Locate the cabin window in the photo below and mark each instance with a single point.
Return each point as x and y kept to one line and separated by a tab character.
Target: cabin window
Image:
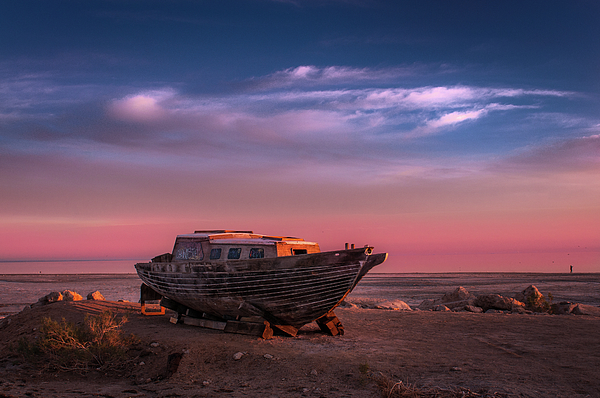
296	252
188	251
234	253
257	252
215	254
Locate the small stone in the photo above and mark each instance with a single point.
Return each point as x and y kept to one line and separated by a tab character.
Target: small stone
148	380
268	356
206	382
314	372
186	351
142	363
238	355
441	307
154	344
455	369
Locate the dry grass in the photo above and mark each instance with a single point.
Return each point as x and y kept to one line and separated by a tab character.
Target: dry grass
97	343
400	389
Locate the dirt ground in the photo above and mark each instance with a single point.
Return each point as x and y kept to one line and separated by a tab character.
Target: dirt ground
489	354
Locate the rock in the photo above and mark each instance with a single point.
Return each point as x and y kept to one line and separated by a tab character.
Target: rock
51	298
268	356
95	296
562	308
519	310
460	297
460	294
493	311
427	305
497	302
396	305
154	344
584	309
238	355
472	308
314	372
533	299
441	307
69	295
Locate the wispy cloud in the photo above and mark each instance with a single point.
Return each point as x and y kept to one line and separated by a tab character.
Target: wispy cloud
302	116
310	76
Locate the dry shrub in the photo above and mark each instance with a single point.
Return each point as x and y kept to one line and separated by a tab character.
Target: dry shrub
400	389
97	343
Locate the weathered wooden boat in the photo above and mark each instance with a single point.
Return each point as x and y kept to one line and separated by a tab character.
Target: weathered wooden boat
226	276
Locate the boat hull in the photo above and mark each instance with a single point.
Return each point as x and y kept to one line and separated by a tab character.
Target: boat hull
291	290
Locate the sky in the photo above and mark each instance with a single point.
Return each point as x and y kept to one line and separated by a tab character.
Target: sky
428	128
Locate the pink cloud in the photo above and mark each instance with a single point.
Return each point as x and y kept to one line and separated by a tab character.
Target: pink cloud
144	107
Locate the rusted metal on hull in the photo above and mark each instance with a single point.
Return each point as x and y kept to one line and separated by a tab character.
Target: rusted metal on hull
289	290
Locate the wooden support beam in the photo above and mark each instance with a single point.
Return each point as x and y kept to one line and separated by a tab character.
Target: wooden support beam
263	329
330	324
287	329
205	323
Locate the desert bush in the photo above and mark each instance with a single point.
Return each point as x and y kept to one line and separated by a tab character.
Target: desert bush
539	303
97	343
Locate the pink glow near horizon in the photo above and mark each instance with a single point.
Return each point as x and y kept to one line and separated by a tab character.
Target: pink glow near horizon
416	243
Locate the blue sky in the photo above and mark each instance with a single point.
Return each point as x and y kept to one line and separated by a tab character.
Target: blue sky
257	113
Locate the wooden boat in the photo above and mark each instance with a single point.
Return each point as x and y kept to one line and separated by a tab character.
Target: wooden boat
228	275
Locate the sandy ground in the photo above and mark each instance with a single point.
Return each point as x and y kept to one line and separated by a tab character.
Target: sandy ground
503	354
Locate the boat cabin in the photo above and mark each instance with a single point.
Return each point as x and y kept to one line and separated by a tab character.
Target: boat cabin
224	245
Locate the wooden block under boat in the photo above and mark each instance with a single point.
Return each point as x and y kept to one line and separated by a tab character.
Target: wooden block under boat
330	324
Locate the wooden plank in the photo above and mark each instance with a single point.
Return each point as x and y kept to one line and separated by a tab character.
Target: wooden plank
287	329
205	323
263	329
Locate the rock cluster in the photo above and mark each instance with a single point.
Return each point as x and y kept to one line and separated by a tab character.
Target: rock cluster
528	301
66	295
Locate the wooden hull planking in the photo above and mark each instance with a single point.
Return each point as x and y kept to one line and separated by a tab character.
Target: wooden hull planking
291	290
